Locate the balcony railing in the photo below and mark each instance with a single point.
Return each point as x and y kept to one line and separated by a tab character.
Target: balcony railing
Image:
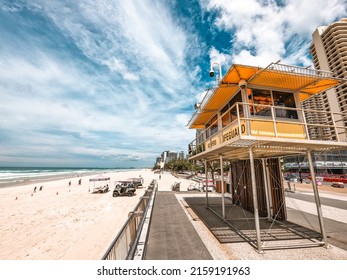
259	121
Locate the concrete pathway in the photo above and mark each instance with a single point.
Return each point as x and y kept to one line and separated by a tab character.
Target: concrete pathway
172	236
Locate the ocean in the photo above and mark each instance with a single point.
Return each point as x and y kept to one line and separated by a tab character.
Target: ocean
17	175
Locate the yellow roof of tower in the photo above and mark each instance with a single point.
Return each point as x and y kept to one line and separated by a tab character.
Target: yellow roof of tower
307	82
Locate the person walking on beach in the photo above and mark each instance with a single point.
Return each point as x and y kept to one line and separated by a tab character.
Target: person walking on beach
70	183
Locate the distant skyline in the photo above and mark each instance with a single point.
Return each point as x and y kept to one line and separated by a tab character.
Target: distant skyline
113	83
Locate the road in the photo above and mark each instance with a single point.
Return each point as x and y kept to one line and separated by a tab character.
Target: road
336	230
341	204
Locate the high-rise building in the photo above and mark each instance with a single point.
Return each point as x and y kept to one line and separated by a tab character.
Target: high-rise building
171	156
157	162
181	155
329	52
164	156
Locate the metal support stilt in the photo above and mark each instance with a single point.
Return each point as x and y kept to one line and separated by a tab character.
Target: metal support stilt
263	162
230	180
255	200
269	189
317	199
222	186
206	183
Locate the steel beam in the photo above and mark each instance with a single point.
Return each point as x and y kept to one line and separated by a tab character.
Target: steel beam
316	196
206	173
222	186
255	200
269	189
268	209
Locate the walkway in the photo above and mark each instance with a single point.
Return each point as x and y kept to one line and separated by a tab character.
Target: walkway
172	236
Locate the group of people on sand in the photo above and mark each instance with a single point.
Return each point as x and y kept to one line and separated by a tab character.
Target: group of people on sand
79	182
40	189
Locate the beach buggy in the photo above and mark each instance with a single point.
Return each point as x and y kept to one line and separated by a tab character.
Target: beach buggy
138	182
124	188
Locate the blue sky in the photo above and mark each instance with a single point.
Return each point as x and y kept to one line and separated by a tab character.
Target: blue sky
113	83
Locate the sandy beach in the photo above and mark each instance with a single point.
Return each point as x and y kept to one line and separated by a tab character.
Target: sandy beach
63	222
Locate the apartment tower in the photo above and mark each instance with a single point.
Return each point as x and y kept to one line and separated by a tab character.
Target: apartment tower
329	52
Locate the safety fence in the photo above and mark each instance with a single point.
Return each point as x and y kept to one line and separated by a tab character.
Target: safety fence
124	245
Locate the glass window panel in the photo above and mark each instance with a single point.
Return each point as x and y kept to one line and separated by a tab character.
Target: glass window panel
225	108
232	102
226	119
262	97
214	128
284	99
233	113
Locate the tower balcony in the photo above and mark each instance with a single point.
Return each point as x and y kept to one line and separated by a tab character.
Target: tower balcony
272	131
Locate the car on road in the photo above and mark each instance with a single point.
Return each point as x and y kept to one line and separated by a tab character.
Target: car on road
337	185
194	187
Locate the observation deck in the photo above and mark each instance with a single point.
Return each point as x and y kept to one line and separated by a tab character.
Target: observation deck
261	108
269	135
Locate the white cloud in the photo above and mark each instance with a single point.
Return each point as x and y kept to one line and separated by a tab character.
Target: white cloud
220	58
129	100
200	96
181	119
117	66
114	77
262	29
130	37
304	16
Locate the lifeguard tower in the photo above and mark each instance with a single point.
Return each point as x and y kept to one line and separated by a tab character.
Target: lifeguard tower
252	119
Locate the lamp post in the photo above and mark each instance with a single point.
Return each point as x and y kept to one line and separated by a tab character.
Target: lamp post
218	78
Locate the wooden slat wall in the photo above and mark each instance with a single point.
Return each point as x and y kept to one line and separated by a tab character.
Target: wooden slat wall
277	190
241	186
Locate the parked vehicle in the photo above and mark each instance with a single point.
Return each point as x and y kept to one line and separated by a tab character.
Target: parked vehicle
123	188
176	187
337	185
138	182
194	187
210	185
101	189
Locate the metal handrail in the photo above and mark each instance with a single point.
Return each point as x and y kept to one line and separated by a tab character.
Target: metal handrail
123	244
290	69
208	94
133	248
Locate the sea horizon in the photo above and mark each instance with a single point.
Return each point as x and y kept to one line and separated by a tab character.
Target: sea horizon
16	175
